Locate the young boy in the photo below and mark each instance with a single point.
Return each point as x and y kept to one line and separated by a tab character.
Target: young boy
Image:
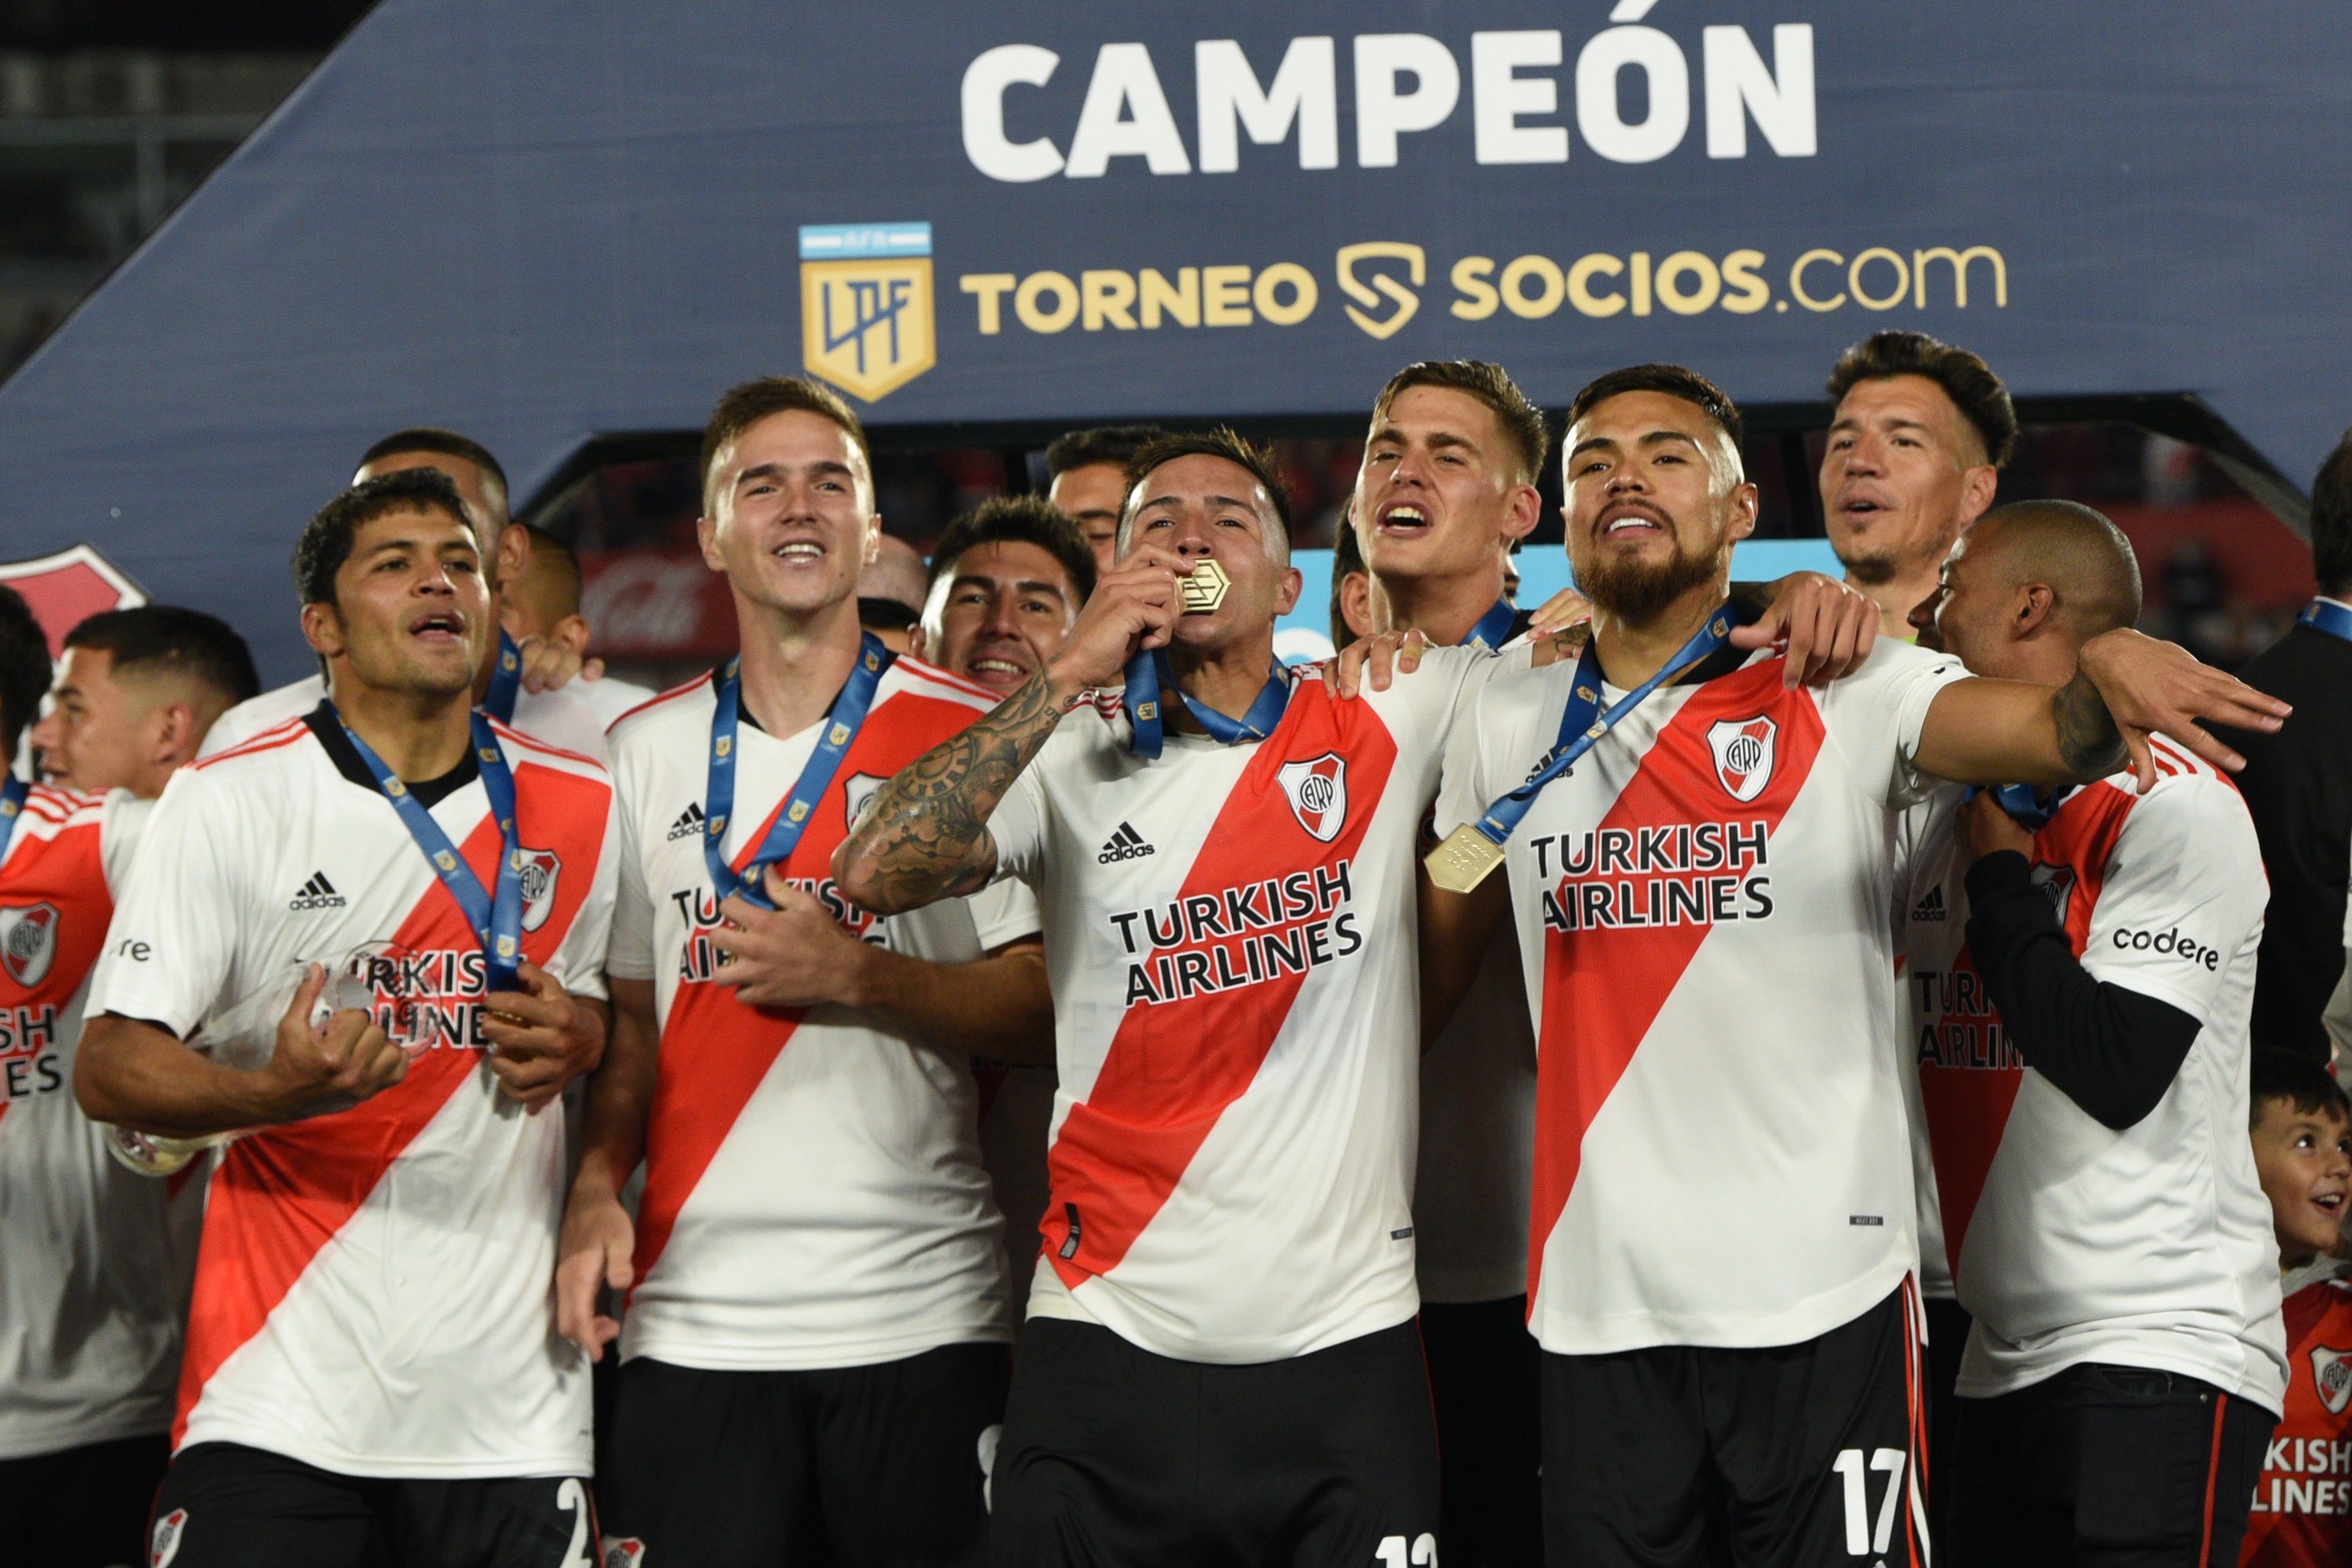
2302	1515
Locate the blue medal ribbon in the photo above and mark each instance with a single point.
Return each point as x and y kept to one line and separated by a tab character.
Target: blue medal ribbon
1494	627
496	919
841	727
2026	804
13	790
506	681
2321	615
1149	676
1580	730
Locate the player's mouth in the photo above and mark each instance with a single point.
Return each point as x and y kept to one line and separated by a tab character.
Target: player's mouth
996	672
2329	1201
1629	521
1859	507
1404	519
438	627
799	551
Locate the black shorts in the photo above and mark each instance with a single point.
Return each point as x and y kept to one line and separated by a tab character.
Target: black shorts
1484	1370
227	1506
2118	1466
880	1464
1114	1456
1802	1455
1948	1336
82	1507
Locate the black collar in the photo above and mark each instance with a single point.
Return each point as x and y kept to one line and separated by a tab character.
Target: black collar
1724	660
328	725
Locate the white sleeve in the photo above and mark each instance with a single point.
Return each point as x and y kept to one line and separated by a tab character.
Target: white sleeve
578	965
1462	793
170	950
2184	891
1875	716
121	822
630	954
1018	826
1005	911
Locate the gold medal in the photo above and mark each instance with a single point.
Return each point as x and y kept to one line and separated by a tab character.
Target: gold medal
1204	590
1463	861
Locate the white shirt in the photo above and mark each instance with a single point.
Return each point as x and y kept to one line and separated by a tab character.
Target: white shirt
1231	935
568	718
813	1193
1702	907
372	1291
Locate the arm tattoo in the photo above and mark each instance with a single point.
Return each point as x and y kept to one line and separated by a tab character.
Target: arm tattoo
2087	738
924	837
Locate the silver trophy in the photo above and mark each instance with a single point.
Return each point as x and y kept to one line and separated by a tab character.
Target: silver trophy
243	1036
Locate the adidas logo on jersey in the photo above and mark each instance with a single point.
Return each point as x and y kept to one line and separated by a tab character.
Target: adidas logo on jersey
1931	907
318	893
689	824
1127	844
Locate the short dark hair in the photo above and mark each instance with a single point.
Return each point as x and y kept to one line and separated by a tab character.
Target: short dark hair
744	406
1673	381
1522	421
1965	377
1113	444
170	640
551	554
1346	556
1018	519
24	670
449	443
2298	1079
1220	441
2331	521
326	542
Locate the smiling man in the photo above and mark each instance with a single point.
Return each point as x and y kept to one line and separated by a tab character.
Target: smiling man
1007	582
1915	448
1699	875
333	1405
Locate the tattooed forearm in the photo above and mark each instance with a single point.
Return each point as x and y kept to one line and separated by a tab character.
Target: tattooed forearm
924	836
2088	737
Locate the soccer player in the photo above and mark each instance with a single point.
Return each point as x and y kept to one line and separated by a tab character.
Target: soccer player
137	693
1702	902
2302	1515
1089	480
1915	448
529	685
2085	1092
540	599
90	1269
1007	579
814	1345
372	1370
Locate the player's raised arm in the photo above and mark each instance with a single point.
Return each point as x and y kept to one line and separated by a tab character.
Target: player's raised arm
2128	688
925	836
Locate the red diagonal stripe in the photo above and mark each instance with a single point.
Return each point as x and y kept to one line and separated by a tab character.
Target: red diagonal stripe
1174	1066
1604	990
715	1050
281	1194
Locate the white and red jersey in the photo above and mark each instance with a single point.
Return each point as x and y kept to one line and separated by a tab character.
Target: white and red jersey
1702	907
814	1190
93	1259
2068	1241
1230	932
571	717
2302	1516
373	1288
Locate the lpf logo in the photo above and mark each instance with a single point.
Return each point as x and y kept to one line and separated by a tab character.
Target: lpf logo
866	305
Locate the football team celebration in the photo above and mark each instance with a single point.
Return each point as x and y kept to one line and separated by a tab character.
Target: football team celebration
1645	1054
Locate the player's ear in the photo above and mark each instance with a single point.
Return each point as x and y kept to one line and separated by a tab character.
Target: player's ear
1743	512
322	628
572	632
1286	590
1522	511
706	534
2036	607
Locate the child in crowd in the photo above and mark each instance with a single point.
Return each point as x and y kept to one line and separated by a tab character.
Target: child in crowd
2302	1514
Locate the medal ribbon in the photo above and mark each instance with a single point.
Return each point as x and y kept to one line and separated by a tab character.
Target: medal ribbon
1494	627
1149	675
496	919
13	790
1580	730
2322	617
841	726
506	681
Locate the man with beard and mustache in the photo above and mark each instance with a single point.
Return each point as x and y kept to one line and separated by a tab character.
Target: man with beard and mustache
1701	895
1915	454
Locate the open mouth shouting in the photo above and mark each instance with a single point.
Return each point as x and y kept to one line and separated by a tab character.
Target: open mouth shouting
438	628
1404	519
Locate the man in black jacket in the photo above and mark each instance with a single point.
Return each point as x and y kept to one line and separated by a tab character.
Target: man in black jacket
2298	782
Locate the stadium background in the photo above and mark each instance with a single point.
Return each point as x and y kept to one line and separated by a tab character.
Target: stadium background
304	225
